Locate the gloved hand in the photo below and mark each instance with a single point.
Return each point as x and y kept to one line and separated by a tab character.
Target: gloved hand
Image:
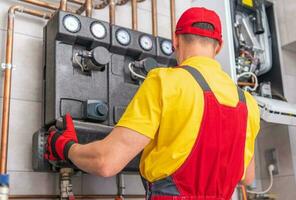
60	141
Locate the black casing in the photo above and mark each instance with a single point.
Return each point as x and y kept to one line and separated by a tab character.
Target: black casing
67	87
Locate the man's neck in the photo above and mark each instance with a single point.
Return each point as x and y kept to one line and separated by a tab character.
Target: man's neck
197	51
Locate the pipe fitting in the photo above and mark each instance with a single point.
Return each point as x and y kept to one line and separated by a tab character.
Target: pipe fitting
66	190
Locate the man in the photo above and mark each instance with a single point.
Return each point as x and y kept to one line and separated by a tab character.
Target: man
196	127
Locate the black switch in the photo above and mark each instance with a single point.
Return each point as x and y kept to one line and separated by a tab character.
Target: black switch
95	110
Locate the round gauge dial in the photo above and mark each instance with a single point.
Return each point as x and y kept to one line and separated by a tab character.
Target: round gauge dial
167	47
123	37
146	42
98	30
72	23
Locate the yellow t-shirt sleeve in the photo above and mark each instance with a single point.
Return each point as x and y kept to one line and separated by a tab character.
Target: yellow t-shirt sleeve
253	128
143	113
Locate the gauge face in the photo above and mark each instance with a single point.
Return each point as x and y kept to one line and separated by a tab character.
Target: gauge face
123	37
146	42
72	23
98	30
167	47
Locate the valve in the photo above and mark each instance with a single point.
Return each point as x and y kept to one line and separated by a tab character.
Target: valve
66	188
140	69
146	64
95	59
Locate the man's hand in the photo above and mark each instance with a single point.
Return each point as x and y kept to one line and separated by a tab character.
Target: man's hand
60	141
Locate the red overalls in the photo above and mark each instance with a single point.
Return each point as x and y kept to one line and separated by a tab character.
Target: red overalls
216	163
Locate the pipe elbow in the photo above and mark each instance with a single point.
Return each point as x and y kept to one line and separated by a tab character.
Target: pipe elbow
13	9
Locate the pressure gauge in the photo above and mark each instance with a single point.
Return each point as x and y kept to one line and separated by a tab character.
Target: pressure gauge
98	30
167	47
146	42
123	37
72	23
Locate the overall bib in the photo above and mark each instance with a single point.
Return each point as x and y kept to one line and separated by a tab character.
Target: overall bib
215	164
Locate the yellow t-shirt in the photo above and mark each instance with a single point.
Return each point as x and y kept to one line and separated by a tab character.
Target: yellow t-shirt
168	108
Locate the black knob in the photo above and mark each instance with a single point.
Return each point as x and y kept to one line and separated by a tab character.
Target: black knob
100	56
102	109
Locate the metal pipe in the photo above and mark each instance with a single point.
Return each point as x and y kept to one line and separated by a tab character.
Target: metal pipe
76	196
80	10
134	15
121	2
154	17
120	186
112	12
63	5
244	192
245	84
88	8
42	4
101	5
80	2
173	18
7	78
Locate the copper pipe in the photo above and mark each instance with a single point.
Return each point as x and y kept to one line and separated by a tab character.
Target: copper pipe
80	10
76	196
63	5
112	11
246	84
121	2
134	15
88	8
244	192
7	78
42	4
51	6
101	5
79	2
173	18
154	17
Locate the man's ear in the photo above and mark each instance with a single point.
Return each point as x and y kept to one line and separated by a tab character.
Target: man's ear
176	41
219	48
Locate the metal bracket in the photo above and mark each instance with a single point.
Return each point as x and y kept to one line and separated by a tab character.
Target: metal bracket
5	66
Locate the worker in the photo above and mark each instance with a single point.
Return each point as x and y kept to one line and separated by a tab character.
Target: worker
196	127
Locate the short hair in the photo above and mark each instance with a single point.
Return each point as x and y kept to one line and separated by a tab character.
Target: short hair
189	38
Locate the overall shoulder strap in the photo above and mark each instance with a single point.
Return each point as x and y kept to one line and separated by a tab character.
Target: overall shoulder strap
198	77
205	86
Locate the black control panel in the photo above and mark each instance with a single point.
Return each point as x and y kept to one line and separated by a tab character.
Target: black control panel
92	70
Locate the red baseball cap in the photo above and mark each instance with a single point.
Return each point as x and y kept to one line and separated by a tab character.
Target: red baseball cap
202	15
